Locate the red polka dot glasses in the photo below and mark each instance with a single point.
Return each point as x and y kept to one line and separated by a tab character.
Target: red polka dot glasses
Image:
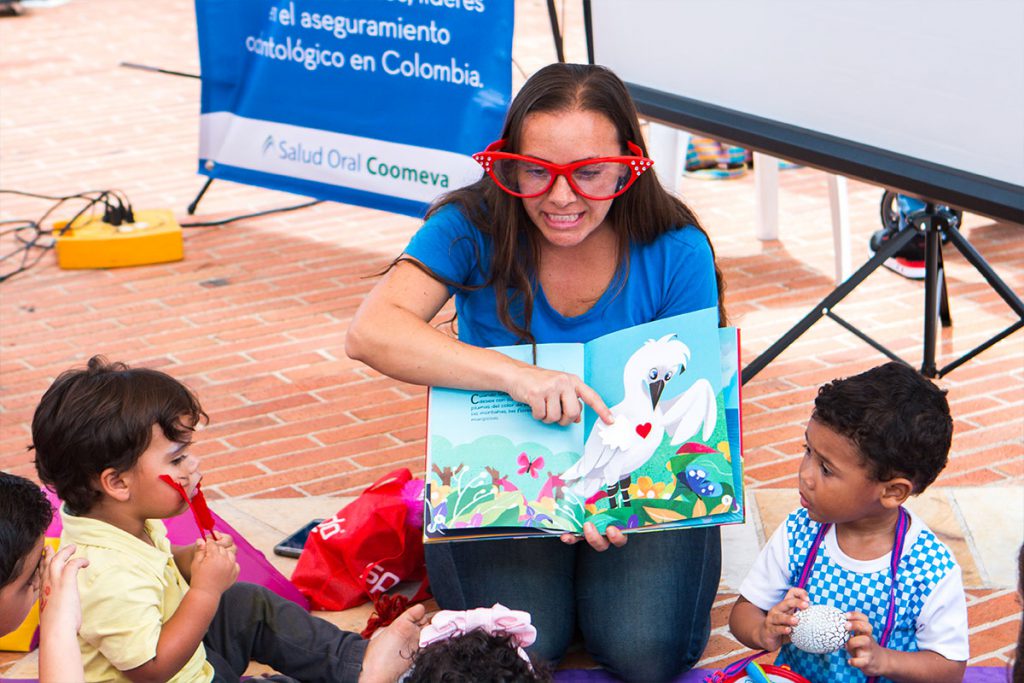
598	179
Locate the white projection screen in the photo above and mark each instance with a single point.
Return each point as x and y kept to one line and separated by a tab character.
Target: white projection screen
923	96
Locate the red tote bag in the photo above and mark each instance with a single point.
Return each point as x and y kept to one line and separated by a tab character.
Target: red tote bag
363	551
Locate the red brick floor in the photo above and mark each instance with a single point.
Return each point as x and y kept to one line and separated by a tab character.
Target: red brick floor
254	318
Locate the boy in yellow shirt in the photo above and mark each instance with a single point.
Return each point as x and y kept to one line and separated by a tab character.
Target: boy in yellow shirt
153	611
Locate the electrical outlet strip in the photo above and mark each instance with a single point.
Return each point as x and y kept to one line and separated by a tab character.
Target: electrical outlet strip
154	237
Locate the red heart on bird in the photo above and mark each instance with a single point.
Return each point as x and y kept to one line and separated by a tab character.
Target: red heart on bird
643	430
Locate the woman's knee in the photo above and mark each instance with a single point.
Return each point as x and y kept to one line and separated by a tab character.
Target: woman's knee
651	660
646	614
648	645
553	639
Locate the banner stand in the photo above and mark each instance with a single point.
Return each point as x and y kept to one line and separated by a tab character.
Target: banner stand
557	37
195	202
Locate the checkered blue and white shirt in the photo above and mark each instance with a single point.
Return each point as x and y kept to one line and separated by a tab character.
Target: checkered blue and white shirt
931	611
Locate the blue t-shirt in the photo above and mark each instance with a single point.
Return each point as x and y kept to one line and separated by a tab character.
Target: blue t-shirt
672	275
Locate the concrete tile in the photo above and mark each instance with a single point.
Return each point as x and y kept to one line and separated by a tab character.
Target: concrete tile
740	546
26	667
773	505
995	517
7	659
935	506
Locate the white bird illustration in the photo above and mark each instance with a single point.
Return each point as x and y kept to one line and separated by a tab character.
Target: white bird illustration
613	452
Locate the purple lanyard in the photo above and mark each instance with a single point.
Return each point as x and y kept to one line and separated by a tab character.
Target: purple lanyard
902	526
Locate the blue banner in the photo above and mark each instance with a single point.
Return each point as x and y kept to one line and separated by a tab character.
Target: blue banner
371	102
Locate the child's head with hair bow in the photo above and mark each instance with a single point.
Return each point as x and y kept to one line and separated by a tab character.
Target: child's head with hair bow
485	644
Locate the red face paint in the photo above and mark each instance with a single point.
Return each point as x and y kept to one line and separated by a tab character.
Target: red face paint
197	503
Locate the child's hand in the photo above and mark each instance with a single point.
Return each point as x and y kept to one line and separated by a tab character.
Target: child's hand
214	569
780	620
59	604
225	541
865	652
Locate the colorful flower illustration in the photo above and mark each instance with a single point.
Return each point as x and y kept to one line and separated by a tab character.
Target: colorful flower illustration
474	522
545	505
533	517
726	505
437	518
439	493
723	448
645	487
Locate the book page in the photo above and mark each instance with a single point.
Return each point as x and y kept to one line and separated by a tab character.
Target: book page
491	465
726	464
667	460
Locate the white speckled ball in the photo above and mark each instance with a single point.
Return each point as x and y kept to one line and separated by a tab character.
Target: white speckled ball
822	629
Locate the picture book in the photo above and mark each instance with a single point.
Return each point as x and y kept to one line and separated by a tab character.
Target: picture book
673	457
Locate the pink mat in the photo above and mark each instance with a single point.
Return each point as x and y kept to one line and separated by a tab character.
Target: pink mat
182	530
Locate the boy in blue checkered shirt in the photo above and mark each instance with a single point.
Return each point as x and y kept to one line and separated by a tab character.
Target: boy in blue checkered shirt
872	441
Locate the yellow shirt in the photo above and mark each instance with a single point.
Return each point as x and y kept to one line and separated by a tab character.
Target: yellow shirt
129	590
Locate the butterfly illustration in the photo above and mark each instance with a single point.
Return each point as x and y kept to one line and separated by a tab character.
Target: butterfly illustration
696	479
531	467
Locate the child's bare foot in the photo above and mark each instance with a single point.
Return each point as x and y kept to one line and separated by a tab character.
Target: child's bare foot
390	651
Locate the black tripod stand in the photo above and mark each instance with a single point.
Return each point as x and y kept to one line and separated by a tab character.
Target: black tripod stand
933	224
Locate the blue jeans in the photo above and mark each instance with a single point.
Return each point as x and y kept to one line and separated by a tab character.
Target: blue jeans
644	609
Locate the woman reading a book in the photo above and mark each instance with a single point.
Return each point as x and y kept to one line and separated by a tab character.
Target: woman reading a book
567	236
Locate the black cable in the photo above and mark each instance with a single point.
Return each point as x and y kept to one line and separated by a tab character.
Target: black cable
84	195
101	195
117	209
146	67
36	230
81	212
210	224
28	242
25	250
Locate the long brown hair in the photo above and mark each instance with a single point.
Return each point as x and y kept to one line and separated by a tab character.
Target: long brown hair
642	214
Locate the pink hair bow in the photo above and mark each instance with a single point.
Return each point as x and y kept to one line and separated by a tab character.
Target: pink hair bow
496	620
